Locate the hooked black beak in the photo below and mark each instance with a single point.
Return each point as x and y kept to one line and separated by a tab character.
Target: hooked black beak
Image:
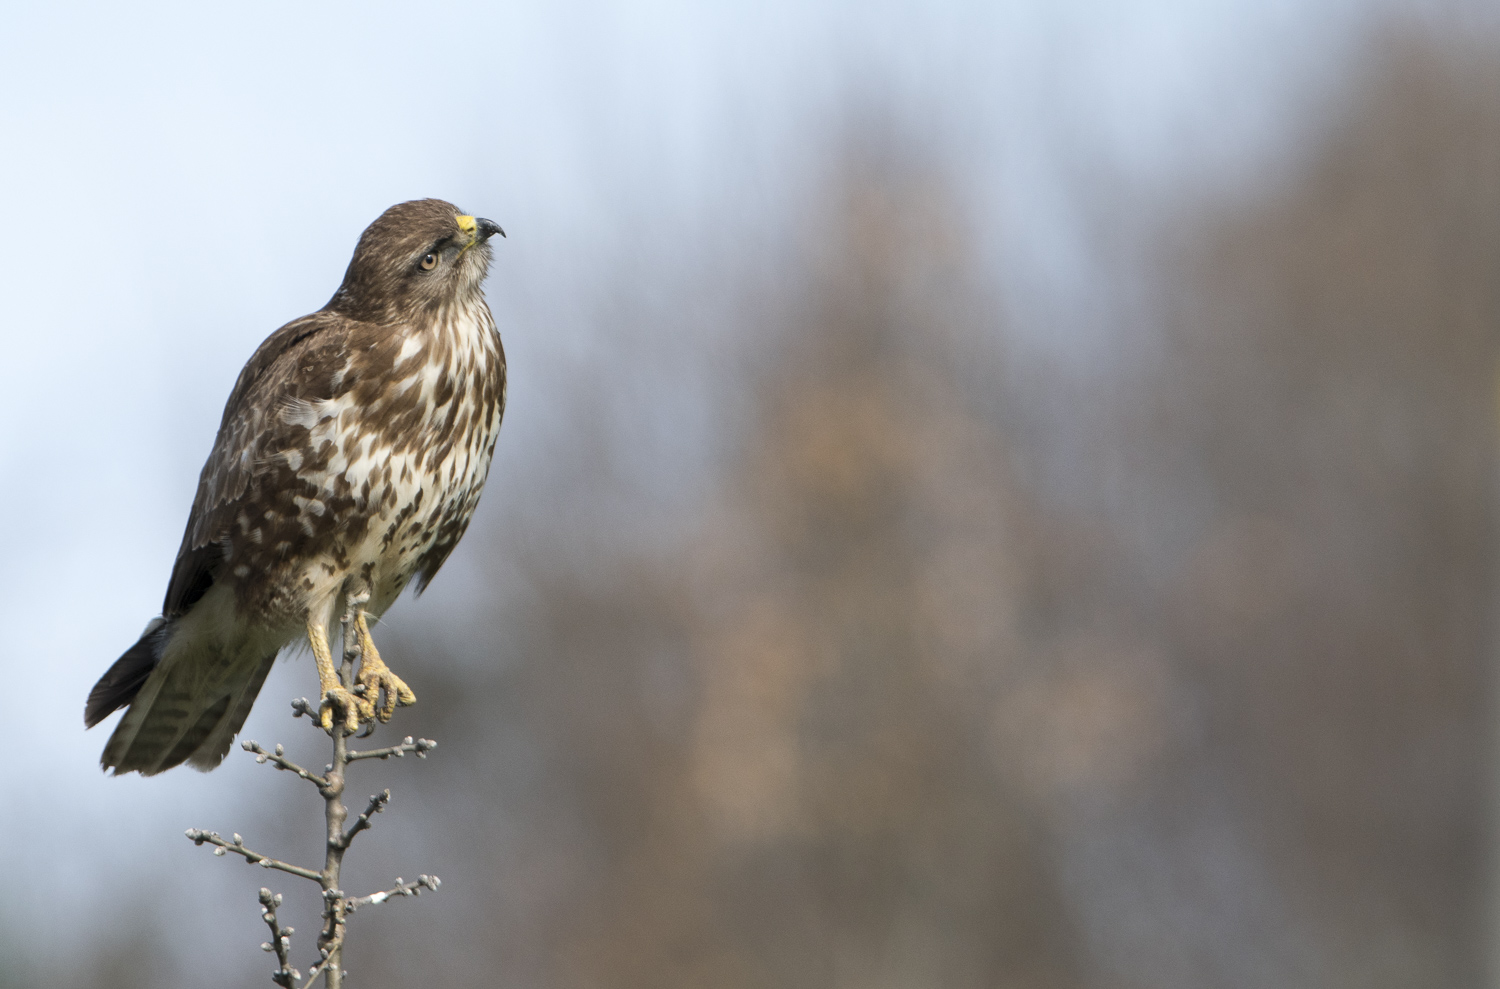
488	229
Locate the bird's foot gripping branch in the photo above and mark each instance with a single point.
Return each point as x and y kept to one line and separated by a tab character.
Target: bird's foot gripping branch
337	905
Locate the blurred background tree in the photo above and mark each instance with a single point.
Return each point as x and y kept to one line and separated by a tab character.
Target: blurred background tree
1321	441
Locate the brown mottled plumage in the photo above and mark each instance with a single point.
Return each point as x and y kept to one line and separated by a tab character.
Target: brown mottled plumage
351	455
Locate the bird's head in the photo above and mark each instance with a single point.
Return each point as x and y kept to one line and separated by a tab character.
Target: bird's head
417	257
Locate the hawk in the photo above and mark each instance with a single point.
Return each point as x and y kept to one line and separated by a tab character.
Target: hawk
350	458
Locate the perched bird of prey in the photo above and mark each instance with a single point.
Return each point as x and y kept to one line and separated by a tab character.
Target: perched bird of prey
350	458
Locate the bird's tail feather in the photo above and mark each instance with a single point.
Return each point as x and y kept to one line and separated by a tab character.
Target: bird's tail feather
122	681
186	708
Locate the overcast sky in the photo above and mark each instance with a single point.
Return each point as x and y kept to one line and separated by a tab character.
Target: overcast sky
180	180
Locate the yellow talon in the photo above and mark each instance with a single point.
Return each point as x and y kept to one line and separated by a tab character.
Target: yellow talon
332	694
376	677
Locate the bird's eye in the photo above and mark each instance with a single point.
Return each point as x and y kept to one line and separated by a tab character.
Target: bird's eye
429	261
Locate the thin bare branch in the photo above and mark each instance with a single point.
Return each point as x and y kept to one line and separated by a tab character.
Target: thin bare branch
279	760
420	747
402	888
362	823
325	955
281	941
237	845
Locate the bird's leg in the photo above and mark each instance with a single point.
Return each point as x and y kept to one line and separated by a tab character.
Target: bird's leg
332	692
375	676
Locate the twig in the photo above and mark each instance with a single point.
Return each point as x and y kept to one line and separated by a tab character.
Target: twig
281	762
420	746
325	957
237	845
377	804
402	888
281	941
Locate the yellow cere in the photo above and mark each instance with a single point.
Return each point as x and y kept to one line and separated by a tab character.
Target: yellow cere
469	226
